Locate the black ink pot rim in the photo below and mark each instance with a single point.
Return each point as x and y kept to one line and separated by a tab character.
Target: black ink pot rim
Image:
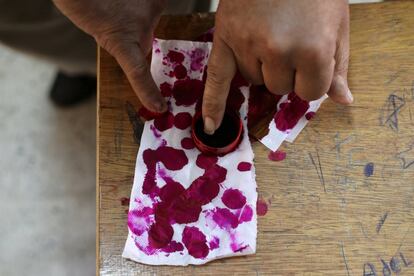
224	140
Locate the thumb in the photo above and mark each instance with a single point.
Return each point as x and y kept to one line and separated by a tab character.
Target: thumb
132	61
220	71
339	91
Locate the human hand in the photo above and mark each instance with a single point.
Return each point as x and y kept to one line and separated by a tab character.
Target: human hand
300	46
125	29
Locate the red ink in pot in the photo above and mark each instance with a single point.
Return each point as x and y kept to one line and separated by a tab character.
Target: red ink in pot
224	140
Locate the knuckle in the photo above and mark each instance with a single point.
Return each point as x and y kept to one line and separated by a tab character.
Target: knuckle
318	51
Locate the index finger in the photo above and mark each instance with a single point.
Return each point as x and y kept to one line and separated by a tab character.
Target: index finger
220	71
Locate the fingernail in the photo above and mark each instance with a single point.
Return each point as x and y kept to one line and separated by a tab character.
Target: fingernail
349	96
209	126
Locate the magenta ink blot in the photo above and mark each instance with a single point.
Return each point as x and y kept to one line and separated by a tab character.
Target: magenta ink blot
224	140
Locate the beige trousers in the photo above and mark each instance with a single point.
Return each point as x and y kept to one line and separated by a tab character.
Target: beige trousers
36	27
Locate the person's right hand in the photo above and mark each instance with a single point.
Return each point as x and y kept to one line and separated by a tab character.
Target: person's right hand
125	29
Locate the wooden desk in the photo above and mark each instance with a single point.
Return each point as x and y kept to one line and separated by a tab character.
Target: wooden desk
326	217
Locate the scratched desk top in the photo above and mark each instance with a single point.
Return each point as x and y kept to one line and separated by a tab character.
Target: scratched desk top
341	203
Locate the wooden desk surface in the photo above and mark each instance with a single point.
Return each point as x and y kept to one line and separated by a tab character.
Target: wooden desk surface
326	217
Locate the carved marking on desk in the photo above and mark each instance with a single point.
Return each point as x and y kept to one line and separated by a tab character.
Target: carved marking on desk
339	143
394	265
407	157
364	232
369	270
352	162
394	76
390	111
344	257
318	169
381	222
136	123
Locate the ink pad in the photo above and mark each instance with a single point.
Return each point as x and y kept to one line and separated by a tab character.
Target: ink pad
224	140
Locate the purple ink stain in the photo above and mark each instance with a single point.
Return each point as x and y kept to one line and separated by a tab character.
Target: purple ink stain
246	215
197	57
277	155
233	199
139	220
244	166
290	112
183	120
224	218
261	207
187	143
214	243
310	115
180	72
173	246
155	131
369	169
195	242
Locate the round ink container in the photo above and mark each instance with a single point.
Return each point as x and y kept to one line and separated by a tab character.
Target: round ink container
224	140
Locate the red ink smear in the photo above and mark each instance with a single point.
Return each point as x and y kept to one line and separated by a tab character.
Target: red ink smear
195	242
183	120
173	246
277	155
224	218
184	210
155	132
261	104
309	115
206	161
125	201
214	243
160	235
187	143
187	92
139	220
290	112
246	215
197	57
261	207
157	50
244	166
166	89
147	114
175	57
180	72
164	122
233	199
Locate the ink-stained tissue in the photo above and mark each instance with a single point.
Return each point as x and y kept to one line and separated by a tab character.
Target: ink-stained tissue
186	207
291	117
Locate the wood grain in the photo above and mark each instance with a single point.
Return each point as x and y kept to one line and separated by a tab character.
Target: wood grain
326	217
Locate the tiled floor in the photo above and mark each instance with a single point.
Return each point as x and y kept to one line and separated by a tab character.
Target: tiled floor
47	175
